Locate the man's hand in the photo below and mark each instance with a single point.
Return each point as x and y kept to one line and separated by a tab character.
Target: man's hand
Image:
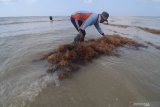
79	29
77	39
82	32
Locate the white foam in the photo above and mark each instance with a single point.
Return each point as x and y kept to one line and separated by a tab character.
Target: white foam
19	96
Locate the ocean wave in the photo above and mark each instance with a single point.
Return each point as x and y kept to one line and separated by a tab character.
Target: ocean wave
22	94
23	22
10	23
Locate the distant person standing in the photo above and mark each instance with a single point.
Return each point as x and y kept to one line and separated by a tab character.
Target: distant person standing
81	20
51	18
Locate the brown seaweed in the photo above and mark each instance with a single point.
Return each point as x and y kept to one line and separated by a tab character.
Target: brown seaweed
68	57
118	25
150	30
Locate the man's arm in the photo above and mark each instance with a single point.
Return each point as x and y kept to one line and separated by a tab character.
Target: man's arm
99	28
77	24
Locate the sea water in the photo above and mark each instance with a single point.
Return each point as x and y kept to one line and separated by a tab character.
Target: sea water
125	81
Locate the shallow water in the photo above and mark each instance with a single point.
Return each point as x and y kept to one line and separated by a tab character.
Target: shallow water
106	82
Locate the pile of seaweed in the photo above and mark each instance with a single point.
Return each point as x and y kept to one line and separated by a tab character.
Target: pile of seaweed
67	58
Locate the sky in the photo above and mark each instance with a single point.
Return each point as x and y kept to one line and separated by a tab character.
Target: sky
67	7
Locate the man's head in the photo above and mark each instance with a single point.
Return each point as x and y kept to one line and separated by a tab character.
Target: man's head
104	17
